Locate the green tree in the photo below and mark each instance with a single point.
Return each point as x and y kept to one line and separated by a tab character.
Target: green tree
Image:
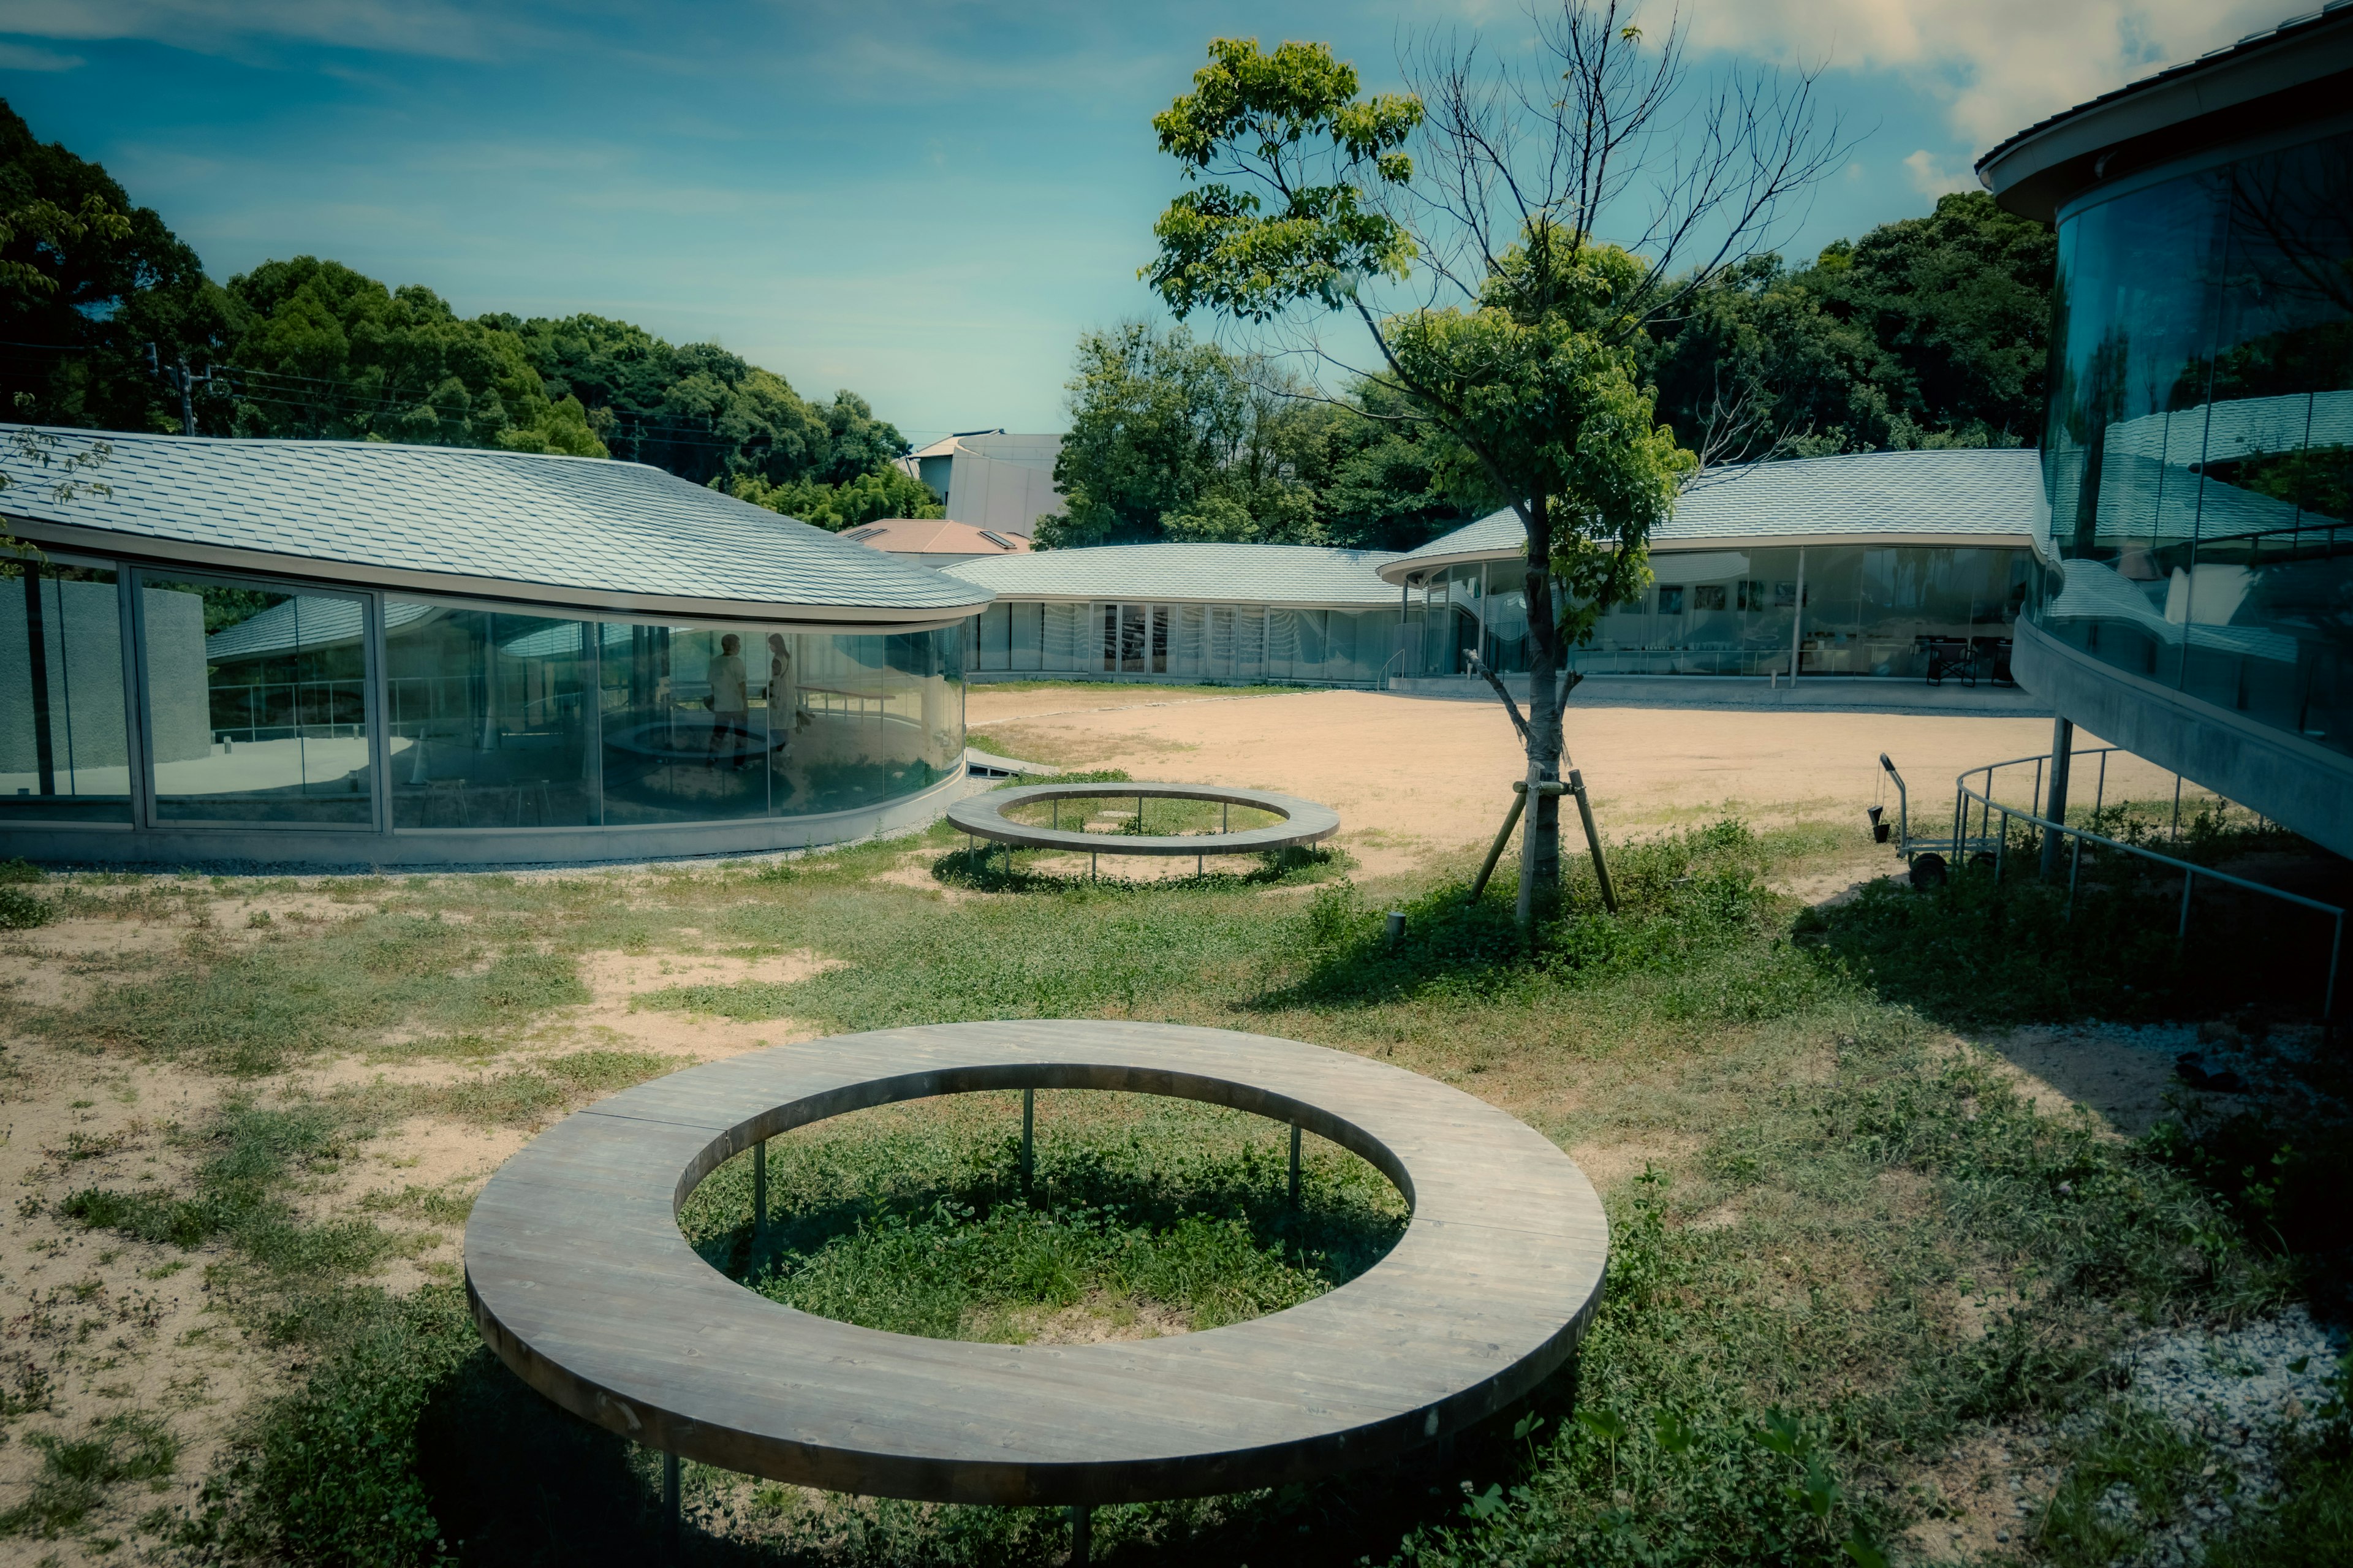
702	412
1173	438
1929	332
323	353
86	280
867	497
1493	310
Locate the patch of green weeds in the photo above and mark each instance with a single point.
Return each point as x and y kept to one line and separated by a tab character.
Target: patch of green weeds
927	1228
76	1472
21	910
442	1204
330	1474
2129	1472
249	1155
246	1010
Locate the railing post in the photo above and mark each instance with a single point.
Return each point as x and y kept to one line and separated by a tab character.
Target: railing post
2189	880
759	1192
2062	745
2000	846
1028	1137
1295	1164
2336	952
2075	867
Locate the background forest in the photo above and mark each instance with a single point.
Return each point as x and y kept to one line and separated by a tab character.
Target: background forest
1925	332
1931	331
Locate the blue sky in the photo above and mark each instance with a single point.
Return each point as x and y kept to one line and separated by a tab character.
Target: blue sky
923	202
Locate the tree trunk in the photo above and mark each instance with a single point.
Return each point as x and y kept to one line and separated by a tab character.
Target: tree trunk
1540	838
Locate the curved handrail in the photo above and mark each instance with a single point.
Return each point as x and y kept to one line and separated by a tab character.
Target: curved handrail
2190	872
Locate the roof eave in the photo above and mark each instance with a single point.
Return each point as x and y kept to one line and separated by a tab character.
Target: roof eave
1400	572
2300	72
147	550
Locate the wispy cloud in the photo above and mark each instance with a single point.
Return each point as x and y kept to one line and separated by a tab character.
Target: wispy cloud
427	27
1997	66
32	57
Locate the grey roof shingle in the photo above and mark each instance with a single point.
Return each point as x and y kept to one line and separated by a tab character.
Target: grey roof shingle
506	517
1217	574
1985	492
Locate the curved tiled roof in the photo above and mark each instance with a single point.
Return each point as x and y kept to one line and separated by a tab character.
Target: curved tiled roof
2297	62
574	531
1218	573
1990	494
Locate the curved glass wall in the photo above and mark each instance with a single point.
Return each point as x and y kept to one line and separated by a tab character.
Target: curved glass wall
268	704
2200	453
1896	610
1241	642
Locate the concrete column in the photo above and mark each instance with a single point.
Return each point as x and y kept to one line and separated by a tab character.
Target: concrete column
2062	741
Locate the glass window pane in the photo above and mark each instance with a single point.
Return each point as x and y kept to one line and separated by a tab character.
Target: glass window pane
257	702
684	722
63	753
489	722
877	718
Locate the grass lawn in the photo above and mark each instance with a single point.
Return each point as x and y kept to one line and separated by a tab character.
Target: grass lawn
1867	1286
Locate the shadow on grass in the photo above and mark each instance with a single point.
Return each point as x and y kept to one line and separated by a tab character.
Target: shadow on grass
1985	950
992	869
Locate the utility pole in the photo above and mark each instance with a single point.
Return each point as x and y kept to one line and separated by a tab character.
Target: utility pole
175	375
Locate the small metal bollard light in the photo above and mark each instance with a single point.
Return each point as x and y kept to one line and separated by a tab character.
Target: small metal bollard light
1395	928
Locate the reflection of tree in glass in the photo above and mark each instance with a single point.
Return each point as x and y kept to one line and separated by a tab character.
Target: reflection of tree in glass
2318	479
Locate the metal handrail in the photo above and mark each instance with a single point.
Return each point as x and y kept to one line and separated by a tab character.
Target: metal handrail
2191	872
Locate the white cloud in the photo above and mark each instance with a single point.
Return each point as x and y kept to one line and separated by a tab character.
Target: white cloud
1997	65
1931	178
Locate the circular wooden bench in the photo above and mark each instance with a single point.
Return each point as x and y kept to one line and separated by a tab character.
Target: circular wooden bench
580	1278
1303	821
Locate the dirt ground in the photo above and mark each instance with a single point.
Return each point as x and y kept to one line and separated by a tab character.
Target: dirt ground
92	1323
1410	775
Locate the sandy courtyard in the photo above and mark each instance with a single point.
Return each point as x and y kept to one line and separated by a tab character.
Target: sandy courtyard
1422	774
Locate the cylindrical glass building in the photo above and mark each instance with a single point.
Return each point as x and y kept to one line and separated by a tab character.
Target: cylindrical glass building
2195	602
363	654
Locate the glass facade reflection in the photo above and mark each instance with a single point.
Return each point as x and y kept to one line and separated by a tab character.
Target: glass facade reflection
64	749
267	704
1839	609
259	699
1239	642
489	718
2200	452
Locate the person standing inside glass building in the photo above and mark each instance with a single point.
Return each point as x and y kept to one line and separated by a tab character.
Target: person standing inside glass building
785	714
731	703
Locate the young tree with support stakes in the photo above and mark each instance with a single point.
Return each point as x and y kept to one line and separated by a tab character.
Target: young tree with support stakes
1459	227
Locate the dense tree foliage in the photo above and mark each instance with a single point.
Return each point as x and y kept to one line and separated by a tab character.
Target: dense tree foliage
311	347
1930	331
86	280
322	352
1173	437
699	411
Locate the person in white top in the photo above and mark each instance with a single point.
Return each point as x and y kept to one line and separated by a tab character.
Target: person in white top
731	704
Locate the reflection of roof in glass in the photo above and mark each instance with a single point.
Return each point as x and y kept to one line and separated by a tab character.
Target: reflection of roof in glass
1215	573
2096	592
1993	494
312	620
621	534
